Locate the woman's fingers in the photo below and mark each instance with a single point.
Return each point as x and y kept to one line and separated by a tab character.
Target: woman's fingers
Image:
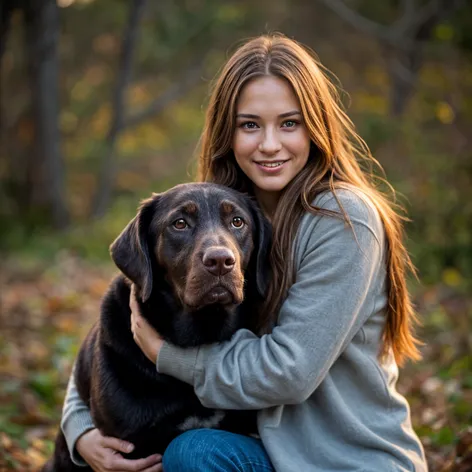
118	463
135	314
133	304
156	468
117	444
113	461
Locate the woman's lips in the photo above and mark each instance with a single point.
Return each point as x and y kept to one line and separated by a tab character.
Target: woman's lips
270	167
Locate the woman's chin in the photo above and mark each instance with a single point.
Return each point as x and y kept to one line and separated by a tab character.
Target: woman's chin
271	185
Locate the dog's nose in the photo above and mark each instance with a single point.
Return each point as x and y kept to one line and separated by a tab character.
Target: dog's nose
218	260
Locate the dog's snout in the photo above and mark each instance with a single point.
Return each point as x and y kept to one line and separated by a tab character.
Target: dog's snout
219	260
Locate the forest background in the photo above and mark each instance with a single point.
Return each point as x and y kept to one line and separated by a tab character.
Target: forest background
102	102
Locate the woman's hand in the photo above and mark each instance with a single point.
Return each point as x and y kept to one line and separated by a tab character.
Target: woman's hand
102	454
145	336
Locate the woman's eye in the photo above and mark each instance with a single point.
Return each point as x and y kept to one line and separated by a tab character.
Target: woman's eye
290	124
237	222
180	224
249	125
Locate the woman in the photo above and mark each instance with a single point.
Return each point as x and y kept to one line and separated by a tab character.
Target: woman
338	316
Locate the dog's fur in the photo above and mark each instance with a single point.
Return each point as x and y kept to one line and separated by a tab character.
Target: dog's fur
200	275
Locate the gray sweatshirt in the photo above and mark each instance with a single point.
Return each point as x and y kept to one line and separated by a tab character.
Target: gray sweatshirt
326	401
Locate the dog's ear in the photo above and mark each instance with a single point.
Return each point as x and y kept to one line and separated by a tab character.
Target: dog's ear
262	243
130	251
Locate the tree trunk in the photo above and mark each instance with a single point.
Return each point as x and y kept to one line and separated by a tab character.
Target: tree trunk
403	69
47	167
6	10
405	66
108	166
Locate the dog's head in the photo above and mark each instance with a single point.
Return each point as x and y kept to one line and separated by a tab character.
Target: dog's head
206	242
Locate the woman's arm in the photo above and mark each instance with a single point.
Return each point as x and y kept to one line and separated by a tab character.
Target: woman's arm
87	446
76	419
333	295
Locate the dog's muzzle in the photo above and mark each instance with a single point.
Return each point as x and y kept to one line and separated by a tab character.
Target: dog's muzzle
219	260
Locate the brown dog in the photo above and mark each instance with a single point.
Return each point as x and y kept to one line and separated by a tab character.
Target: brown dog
198	257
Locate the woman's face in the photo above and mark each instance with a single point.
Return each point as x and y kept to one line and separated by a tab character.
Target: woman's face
271	143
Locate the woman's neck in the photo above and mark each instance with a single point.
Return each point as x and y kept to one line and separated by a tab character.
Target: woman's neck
267	201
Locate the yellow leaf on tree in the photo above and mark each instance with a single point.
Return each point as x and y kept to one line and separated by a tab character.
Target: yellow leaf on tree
444	113
451	277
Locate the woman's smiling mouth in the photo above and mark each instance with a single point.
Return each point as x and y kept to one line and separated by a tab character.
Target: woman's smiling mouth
270	166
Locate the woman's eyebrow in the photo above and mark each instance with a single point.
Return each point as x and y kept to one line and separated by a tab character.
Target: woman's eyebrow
283	115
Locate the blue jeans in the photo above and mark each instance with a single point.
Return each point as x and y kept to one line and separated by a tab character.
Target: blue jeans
213	450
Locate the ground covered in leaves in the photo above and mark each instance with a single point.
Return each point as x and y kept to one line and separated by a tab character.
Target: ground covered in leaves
46	310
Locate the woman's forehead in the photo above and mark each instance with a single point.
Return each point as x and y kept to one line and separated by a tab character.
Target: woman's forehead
267	93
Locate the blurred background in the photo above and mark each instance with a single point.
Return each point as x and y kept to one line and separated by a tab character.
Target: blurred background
102	102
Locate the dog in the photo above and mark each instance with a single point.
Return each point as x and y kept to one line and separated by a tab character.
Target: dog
198	257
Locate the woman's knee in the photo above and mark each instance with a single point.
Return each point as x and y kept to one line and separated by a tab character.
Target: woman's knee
188	451
213	450
177	451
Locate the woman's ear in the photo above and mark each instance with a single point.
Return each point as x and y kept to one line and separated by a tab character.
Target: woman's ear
130	250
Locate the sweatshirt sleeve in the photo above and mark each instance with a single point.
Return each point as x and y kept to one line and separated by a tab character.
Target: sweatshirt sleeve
76	420
332	297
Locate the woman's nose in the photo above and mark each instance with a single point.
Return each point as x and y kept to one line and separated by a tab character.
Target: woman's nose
270	143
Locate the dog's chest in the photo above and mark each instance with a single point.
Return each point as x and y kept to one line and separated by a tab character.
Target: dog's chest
195	422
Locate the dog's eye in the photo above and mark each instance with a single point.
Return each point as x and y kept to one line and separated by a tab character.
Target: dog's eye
180	224
237	222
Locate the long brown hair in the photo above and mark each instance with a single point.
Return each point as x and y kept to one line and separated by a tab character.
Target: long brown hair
338	157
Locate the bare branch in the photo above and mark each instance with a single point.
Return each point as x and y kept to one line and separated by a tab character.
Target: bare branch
401	71
408	7
386	34
355	19
402	34
434	8
409	23
402	40
174	92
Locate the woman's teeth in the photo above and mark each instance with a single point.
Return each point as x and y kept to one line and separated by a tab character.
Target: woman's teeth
272	164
